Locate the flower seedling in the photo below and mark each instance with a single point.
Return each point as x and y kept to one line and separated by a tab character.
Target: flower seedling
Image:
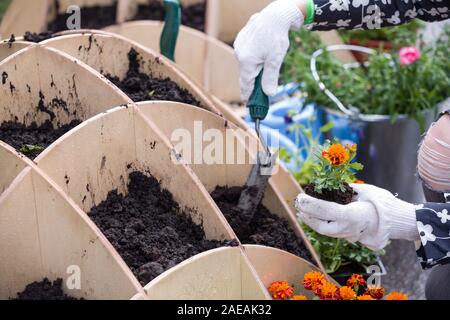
333	172
334	253
322	289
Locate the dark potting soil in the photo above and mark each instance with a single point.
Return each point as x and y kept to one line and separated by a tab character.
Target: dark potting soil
266	228
44	290
20	136
37	37
148	228
11	40
92	17
332	195
142	87
192	16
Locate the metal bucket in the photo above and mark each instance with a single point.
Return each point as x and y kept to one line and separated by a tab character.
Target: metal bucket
387	149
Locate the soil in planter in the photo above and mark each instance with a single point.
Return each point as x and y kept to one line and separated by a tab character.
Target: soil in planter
142	87
32	140
192	16
11	40
266	228
92	17
332	195
37	37
148	228
44	290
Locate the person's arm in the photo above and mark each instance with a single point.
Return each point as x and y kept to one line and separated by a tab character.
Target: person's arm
374	14
434	171
264	41
378	215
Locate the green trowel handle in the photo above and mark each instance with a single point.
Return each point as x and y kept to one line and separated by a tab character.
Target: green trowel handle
171	29
258	103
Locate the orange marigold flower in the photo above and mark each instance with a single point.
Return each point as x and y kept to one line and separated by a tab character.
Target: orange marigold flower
347	293
359	181
356	280
299	298
336	155
312	279
375	292
327	291
365	297
281	290
397	296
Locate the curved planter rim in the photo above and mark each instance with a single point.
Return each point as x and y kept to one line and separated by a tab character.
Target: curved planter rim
165	66
273	264
205	277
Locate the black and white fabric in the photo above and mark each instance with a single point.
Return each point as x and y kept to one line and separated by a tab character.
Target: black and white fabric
433	222
374	14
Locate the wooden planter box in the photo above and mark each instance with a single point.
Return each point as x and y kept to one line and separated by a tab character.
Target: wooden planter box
290	268
184	281
98	153
37	74
34	16
208	61
59	235
111	45
102	168
43	233
98	48
220	274
174	116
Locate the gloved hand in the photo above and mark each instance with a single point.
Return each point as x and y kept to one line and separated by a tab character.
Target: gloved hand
372	220
264	42
434	156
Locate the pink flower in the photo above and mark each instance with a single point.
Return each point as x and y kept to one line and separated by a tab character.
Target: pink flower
408	55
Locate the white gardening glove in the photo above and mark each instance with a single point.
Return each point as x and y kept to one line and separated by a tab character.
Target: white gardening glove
372	220
264	42
434	156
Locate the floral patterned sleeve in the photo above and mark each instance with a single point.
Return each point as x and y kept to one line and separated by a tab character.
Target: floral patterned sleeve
433	222
374	14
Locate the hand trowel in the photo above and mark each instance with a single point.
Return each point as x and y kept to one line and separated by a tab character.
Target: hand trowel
253	193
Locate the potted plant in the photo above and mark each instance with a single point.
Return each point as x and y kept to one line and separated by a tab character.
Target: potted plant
340	258
385	39
334	171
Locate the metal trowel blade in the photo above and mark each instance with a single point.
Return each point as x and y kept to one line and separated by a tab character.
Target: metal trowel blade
252	195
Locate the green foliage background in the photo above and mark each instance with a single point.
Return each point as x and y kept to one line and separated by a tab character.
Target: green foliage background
383	86
3	6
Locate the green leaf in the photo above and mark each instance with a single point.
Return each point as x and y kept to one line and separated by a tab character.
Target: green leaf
28	148
356	166
326	128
